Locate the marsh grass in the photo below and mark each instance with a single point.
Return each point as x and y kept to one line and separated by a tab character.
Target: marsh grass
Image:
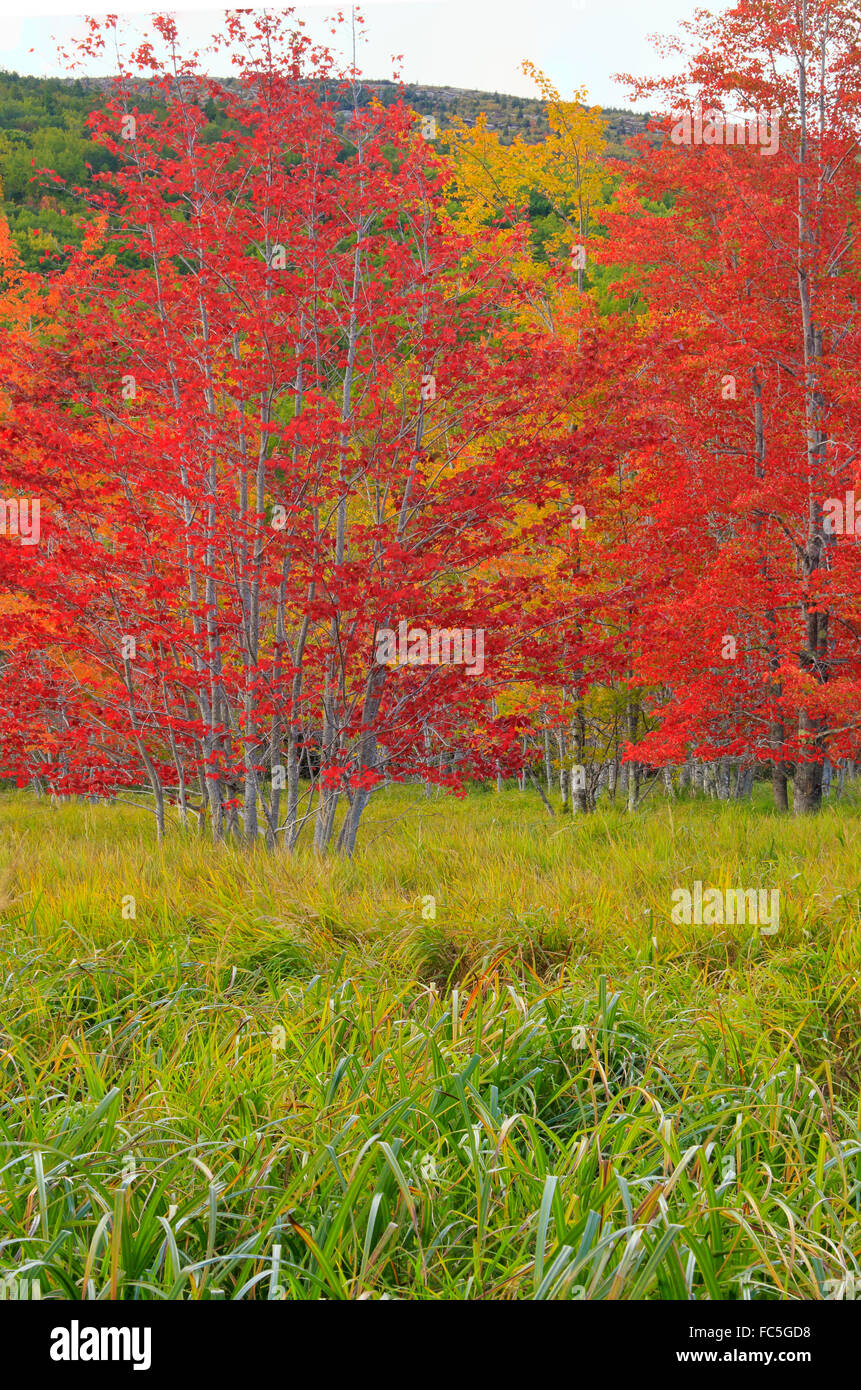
280	1080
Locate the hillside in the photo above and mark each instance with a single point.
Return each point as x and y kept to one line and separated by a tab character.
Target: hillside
42	124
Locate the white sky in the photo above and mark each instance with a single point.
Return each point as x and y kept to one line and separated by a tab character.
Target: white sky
459	43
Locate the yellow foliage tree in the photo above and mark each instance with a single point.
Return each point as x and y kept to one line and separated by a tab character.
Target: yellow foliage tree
494	182
494	188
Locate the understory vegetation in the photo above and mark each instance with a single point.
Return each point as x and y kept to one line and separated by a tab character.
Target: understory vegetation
482	1064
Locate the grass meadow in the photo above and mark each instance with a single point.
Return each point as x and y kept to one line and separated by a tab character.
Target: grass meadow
477	1062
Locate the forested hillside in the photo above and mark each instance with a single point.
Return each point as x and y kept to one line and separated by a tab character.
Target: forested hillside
43	126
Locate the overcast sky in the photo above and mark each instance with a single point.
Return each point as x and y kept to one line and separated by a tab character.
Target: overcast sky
461	43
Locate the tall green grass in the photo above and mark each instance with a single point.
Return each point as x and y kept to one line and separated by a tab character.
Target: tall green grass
479	1061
